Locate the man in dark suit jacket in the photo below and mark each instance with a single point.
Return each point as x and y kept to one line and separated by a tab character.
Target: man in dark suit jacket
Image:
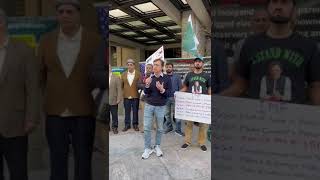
19	105
71	69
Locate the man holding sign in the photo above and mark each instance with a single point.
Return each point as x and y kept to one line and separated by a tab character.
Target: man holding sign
196	82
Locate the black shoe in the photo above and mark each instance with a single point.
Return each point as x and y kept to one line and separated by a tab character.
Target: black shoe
136	128
126	128
115	130
184	146
179	133
203	148
168	130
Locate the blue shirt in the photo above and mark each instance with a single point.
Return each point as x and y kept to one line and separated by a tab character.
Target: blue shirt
153	95
176	84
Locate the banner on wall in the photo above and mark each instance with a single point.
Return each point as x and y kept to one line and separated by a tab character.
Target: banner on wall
30	29
118	70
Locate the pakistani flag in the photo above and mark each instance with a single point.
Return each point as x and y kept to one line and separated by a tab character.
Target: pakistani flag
190	41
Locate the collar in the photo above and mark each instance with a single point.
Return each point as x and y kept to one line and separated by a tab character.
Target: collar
76	37
156	76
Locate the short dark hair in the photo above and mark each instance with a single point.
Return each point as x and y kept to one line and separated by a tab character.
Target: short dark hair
293	1
162	62
167	64
274	63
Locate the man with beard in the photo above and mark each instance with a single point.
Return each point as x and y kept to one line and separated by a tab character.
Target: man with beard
298	56
176	86
198	75
259	24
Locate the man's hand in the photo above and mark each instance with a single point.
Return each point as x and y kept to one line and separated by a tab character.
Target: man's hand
29	126
160	86
148	81
118	102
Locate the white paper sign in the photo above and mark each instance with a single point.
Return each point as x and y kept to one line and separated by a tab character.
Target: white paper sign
254	140
193	107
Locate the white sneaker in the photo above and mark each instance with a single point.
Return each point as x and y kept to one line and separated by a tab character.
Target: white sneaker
158	151
147	153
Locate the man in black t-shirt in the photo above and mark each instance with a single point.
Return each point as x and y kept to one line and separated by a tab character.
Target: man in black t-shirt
196	82
277	64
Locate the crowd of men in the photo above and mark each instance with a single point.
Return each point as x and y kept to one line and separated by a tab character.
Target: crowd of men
155	92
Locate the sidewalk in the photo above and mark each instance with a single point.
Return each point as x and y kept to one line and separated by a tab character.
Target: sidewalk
38	159
125	162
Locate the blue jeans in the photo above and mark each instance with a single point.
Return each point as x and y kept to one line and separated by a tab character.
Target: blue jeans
169	121
149	112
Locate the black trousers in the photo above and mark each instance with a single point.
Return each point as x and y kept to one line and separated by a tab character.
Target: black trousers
128	105
15	152
80	131
113	110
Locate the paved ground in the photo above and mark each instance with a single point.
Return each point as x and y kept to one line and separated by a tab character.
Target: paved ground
125	163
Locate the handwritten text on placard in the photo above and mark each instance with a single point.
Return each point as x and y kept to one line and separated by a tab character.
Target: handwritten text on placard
265	140
193	107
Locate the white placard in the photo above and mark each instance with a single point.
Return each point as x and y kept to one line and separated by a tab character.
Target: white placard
193	107
255	139
159	54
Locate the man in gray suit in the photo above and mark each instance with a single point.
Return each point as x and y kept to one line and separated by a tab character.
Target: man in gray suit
115	95
19	105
